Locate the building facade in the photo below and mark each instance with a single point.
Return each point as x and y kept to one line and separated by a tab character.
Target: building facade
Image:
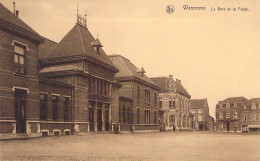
54	88
200	109
138	103
174	104
238	114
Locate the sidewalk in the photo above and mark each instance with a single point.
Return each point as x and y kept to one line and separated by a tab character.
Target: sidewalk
4	137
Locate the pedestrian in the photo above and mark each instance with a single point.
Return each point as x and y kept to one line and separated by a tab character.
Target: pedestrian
174	128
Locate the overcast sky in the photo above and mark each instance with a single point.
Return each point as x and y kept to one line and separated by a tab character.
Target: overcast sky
215	54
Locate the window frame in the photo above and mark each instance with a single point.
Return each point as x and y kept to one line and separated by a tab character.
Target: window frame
18	65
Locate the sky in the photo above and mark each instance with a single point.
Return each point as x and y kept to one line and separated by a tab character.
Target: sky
214	53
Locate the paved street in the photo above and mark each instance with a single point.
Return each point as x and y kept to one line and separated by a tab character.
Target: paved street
180	146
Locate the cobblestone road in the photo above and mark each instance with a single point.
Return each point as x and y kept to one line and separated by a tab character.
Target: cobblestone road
181	146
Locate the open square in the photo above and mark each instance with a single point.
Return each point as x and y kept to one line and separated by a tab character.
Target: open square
181	146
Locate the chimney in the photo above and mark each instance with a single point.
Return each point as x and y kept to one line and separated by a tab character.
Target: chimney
17	13
178	81
171	76
14	7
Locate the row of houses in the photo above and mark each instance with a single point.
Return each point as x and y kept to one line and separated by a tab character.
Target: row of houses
73	86
238	114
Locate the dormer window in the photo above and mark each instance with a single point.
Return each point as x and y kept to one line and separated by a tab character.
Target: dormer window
141	71
96	45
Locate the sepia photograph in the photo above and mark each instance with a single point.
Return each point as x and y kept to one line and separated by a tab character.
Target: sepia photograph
129	80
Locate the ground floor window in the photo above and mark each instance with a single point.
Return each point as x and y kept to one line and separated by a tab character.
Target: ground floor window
172	119
155	117
147	117
221	126
43	106
66	104
55	107
138	115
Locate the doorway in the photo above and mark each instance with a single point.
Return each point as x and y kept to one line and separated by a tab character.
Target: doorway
91	119
99	119
20	110
228	126
107	118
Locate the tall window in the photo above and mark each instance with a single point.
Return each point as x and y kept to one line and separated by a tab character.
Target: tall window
172	119
124	114
128	115
138	115
253	117
220	115
224	105
199	110
155	98
120	114
238	104
43	106
231	105
66	104
147	117
227	115
138	94
147	96
244	117
170	103
160	104
19	57
235	115
173	103
253	106
199	118
221	126
155	117
55	107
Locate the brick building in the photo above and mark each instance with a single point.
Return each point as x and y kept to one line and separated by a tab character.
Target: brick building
238	114
200	109
54	88
138	103
174	104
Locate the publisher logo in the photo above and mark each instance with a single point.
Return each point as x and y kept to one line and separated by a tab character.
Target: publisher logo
169	9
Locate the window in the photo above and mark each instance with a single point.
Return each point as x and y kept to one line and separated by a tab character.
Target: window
231	105
160	104
221	126
128	115
244	107
227	115
55	107
192	111
147	96
228	105
224	105
199	110
238	104
155	98
19	59
155	117
43	106
120	114
147	117
138	94
172	119
235	115
253	106
244	117
253	117
90	85
138	115
173	103
66	104
170	103
199	118
220	115
124	114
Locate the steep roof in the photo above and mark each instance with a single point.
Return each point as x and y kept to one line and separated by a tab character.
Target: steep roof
163	83
234	99
9	17
252	100
128	69
77	42
46	47
197	103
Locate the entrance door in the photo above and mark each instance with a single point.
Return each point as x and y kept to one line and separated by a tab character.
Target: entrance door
228	126
107	119
20	111
91	119
99	119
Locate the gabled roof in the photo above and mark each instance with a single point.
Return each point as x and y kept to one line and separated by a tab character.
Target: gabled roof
128	69
252	100
77	42
163	83
9	17
234	99
46	47
198	103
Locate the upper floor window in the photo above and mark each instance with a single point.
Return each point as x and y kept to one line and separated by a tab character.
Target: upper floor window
199	118
220	115
235	115
231	105
253	117
244	117
192	111
138	93
170	103
199	110
228	105
227	115
19	59
253	106
238	104
173	103
147	96
224	105
160	104
155	98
